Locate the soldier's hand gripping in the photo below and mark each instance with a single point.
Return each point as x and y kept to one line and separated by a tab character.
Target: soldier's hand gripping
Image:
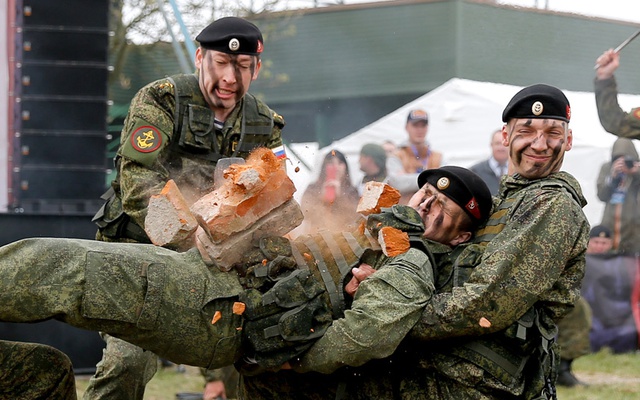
607	63
359	274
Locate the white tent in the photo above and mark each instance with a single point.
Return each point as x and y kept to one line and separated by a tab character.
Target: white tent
462	116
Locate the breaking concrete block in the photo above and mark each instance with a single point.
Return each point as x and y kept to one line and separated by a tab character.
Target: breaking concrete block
375	196
169	223
228	252
250	192
255	200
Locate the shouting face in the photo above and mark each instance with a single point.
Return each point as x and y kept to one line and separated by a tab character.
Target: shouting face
442	217
225	78
536	146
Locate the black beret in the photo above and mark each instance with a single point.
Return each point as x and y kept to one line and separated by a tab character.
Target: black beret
538	101
600	231
232	35
462	186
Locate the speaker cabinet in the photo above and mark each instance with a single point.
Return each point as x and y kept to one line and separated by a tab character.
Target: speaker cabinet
60	113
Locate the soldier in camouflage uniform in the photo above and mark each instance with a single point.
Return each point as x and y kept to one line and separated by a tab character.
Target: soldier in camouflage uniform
612	117
35	371
489	330
453	201
178	128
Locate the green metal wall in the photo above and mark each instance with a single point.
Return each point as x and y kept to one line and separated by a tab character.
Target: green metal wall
347	66
513	46
382	50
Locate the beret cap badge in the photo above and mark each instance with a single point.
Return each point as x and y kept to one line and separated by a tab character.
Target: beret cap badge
537	108
463	187
443	183
234	44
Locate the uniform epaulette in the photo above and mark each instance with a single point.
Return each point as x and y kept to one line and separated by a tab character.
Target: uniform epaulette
164	86
278	119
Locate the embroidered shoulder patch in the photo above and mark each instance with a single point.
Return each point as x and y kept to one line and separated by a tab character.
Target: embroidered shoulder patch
146	139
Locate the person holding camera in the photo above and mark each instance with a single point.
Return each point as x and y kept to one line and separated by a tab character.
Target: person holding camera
619	187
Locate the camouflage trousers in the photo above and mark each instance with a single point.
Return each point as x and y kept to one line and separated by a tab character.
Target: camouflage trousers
35	371
157	299
573	331
123	372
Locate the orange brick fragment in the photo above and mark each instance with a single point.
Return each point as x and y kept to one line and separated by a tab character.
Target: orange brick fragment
485	323
375	196
393	241
238	308
216	317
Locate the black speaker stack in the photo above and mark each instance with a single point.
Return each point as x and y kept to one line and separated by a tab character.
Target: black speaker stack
58	141
59	121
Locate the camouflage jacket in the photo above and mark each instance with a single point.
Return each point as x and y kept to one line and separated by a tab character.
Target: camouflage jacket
612	117
529	259
538	257
146	160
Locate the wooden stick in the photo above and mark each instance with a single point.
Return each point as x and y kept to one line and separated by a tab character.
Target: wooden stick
621	45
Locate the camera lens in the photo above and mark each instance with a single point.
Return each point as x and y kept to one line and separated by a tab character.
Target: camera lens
628	162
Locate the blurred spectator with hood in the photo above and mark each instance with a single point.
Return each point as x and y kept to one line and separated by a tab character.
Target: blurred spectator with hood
619	187
373	163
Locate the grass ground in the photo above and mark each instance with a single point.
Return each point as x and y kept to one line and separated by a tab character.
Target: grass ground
164	385
610	377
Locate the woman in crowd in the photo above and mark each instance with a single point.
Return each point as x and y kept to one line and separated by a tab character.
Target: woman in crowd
330	202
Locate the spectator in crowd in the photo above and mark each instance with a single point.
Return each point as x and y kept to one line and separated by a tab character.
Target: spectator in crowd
416	154
413	156
612	117
573	330
600	241
373	163
619	187
390	148
330	202
492	169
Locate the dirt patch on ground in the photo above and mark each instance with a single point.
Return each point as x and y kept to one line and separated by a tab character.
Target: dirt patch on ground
606	379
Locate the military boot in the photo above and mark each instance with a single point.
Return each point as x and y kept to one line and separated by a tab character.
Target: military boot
565	375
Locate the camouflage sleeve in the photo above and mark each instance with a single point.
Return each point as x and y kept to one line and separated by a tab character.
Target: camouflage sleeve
538	258
147	130
386	306
276	133
612	117
211	375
